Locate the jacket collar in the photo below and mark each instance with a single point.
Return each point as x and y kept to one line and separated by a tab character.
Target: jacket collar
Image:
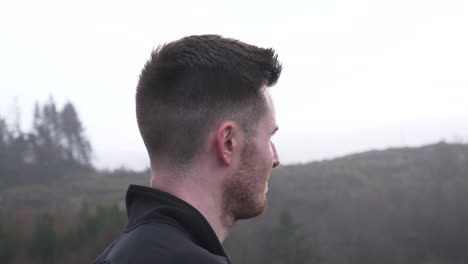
145	204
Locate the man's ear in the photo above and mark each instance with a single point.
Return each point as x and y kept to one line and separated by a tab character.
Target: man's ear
227	141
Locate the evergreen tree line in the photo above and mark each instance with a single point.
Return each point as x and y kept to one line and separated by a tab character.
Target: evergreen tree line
56	238
79	237
54	147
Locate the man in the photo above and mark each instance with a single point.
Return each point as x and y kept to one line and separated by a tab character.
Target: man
206	117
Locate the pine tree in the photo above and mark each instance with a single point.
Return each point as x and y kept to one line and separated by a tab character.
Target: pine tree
48	141
4	164
46	131
77	147
3	131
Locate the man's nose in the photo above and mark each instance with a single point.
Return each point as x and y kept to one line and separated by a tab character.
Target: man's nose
276	161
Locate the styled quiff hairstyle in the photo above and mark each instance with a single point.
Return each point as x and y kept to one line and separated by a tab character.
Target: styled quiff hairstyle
190	85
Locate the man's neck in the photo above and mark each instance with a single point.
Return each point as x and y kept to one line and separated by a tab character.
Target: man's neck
206	198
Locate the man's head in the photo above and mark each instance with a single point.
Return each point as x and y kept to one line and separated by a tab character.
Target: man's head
209	85
189	85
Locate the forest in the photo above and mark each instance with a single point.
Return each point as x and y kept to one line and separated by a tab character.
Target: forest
401	205
55	146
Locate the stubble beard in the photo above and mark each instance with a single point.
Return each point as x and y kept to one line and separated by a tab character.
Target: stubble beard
240	199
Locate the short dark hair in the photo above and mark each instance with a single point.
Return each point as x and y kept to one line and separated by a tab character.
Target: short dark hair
189	85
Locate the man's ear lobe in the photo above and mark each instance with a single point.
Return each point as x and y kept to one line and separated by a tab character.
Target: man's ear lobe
226	142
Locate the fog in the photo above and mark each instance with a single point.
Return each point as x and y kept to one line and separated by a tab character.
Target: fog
357	75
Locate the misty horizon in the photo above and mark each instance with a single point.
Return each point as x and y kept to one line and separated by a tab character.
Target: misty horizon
356	75
293	147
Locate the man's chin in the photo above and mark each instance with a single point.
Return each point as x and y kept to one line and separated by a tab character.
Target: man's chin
254	212
264	207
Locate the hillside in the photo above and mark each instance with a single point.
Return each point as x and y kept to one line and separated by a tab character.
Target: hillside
402	205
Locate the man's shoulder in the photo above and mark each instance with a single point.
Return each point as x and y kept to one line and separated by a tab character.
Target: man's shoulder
157	242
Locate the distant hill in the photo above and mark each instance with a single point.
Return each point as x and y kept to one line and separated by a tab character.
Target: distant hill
400	205
71	191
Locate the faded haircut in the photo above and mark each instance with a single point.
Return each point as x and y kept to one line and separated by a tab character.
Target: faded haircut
190	85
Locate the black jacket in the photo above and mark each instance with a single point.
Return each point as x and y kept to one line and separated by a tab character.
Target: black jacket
163	229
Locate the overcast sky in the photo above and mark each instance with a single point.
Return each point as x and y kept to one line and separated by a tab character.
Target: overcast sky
358	75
